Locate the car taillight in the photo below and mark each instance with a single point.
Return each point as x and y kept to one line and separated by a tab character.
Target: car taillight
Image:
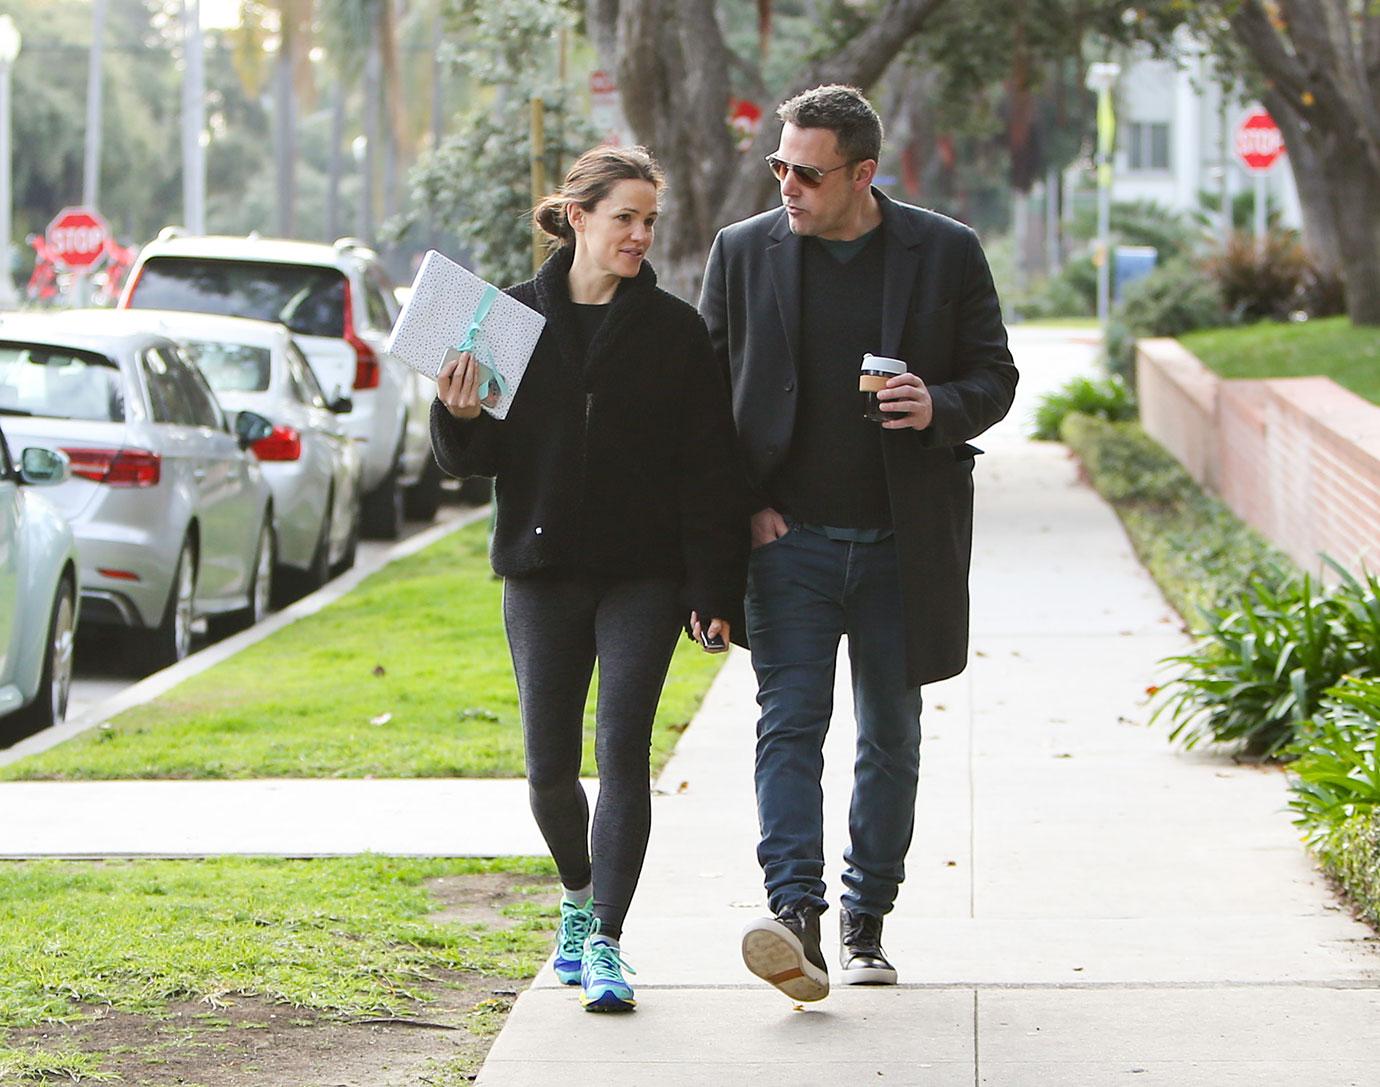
117	467
283	444
367	369
128	295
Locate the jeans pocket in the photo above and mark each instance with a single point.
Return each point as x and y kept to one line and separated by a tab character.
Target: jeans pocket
790	531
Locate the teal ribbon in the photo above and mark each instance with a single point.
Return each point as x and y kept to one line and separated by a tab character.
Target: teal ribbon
488	373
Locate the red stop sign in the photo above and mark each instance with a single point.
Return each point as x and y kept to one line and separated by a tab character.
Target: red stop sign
77	237
1259	143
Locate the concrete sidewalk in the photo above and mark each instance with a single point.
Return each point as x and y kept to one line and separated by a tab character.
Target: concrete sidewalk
1085	905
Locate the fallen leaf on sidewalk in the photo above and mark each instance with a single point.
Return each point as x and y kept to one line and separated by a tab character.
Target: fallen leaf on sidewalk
683	787
1063	755
951	864
381	719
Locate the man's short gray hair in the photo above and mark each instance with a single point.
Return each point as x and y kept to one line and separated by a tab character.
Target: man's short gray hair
844	111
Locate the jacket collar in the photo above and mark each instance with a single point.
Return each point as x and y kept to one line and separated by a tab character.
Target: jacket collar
902	236
553	294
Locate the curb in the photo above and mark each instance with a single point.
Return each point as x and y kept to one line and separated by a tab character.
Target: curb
160	682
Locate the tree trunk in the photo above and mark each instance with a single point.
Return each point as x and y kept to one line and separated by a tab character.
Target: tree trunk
674	70
1356	187
1320	234
1315	55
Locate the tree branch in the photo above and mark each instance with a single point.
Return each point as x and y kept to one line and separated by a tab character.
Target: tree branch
861	62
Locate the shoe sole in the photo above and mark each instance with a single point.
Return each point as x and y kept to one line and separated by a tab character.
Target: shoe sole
567	977
608	1002
776	955
869	975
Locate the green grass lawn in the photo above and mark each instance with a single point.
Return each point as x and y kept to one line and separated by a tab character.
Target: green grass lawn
1330	347
341	937
406	676
1085	323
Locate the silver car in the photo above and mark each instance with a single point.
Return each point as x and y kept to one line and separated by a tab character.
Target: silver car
309	460
339	304
171	512
38	590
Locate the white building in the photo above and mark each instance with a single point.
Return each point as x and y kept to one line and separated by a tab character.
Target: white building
1175	136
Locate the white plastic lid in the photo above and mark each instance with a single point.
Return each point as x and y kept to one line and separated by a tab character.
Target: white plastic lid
883	364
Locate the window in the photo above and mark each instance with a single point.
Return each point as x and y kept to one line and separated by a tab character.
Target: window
202	401
1148	145
379	317
59	383
303	380
310	300
166	397
231	367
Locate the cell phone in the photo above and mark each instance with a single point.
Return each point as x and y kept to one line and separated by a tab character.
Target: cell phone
716	644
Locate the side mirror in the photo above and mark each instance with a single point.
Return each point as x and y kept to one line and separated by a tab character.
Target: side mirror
342	404
251	427
44	467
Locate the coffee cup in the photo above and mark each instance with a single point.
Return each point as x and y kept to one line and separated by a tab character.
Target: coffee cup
876	371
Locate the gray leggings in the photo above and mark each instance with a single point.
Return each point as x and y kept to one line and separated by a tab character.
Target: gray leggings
557	628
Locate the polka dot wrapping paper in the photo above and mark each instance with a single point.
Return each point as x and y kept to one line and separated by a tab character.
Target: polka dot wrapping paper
436	320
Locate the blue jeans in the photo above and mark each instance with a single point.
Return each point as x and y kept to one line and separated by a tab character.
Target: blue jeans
804	592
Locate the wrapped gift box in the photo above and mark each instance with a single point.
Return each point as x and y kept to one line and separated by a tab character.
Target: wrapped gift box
437	318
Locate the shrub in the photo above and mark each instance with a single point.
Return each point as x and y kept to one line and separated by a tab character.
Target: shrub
1143	222
1337	761
1194	547
1119	352
1322	293
1260	281
1070	293
1109	399
1259	673
1175	298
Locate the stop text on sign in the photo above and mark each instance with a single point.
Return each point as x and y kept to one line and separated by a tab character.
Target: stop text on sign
1259	142
77	237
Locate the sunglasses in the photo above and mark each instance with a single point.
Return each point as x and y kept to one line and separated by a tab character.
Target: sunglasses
809	176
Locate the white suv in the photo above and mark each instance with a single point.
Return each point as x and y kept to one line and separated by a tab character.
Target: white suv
340	306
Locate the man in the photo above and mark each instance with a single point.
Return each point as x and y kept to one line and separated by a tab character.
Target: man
861	528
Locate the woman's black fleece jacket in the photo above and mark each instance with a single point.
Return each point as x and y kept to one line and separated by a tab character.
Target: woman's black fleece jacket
622	462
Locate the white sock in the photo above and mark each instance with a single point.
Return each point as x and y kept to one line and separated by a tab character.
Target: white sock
600	938
579	896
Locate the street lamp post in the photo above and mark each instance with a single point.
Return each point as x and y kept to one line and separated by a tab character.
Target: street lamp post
1101	78
364	224
9	52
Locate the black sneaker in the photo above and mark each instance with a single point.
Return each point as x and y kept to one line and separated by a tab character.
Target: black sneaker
860	950
784	950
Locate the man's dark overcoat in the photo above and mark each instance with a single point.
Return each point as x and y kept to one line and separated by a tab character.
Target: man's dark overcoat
940	314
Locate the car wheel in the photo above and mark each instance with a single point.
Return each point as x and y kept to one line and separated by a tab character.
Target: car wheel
347	560
424	496
320	570
265	560
260	589
49	705
171	640
382	508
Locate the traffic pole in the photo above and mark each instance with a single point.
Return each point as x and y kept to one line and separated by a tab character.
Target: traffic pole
538	161
1260	200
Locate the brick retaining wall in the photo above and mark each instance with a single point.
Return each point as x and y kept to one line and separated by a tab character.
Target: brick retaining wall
1298	459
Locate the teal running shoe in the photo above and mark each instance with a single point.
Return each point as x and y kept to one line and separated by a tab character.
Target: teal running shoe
605	989
577	922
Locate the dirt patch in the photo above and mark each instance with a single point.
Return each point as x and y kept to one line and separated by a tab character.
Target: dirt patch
474	899
252	1042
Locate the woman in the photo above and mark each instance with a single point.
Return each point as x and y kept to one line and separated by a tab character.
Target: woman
619	522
